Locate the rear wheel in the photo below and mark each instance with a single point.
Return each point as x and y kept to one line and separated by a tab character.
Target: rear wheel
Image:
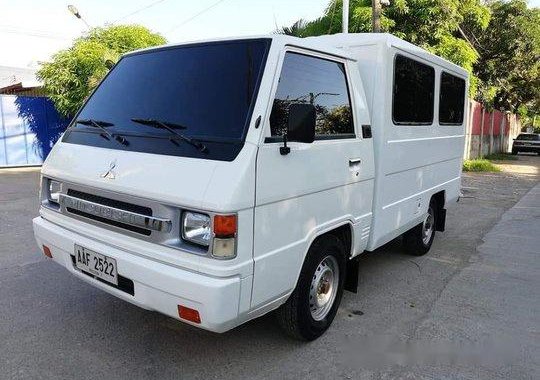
514	152
418	240
313	304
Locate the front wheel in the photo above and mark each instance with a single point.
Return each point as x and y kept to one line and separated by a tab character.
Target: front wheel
313	304
418	240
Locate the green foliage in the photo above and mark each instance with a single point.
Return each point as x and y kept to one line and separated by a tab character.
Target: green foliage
479	165
125	38
530	117
459	52
361	19
509	63
500	157
73	73
337	120
435	25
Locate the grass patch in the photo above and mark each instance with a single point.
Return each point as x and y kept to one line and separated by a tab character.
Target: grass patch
479	165
501	157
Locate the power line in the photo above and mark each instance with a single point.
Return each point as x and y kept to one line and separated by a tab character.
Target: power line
139	10
195	16
31	32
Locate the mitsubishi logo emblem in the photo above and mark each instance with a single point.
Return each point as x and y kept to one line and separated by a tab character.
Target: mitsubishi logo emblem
110	174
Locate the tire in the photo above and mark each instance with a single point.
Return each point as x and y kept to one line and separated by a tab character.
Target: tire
514	152
301	317
418	240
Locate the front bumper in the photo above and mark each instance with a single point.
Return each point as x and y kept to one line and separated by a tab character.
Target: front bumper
156	286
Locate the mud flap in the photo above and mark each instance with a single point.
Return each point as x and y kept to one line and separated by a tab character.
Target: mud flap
441	220
351	277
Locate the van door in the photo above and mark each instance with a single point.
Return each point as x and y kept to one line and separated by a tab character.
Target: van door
317	186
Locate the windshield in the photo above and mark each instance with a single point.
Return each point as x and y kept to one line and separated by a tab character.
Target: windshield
207	89
528	137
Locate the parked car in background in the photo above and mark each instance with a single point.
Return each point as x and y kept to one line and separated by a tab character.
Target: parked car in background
217	181
526	142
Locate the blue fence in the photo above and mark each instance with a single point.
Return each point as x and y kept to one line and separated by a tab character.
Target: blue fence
29	127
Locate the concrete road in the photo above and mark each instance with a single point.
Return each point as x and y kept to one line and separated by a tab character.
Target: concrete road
467	310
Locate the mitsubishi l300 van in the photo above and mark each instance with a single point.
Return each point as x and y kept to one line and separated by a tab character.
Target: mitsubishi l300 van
217	181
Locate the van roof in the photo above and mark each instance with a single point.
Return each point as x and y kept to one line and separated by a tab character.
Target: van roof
335	44
351	40
280	39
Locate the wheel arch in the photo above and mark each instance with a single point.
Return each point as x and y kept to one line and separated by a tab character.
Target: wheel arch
344	232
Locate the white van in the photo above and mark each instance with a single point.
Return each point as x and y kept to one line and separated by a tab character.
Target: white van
217	181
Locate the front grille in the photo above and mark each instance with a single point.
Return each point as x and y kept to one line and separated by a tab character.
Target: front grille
110	203
124	283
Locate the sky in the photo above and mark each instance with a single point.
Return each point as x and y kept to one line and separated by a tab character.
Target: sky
32	30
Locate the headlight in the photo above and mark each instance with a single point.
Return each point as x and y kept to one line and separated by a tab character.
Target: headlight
54	191
50	193
196	228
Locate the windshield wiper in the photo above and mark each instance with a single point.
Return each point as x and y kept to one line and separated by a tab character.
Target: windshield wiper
171	128
103	126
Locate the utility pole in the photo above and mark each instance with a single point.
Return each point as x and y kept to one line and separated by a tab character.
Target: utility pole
345	20
376	15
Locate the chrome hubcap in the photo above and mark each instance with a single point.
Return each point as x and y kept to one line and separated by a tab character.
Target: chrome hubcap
428	226
323	290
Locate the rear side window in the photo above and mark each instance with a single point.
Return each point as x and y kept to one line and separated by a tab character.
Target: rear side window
451	100
321	82
413	93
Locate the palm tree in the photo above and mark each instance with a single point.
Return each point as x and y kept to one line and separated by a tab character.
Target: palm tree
330	22
295	29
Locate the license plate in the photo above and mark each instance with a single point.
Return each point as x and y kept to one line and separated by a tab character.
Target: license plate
96	264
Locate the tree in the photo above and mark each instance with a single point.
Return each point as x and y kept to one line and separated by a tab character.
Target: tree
509	62
436	25
74	72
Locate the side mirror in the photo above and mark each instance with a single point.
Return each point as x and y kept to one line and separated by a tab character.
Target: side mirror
301	125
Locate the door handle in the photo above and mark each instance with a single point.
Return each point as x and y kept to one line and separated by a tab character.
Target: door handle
354	165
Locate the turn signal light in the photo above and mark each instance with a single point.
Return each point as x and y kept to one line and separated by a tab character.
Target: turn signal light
225	226
188	314
47	252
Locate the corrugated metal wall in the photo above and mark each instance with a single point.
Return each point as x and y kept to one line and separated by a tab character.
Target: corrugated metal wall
29	127
483	132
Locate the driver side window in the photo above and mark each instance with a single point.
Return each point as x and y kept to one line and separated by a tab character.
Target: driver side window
320	82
